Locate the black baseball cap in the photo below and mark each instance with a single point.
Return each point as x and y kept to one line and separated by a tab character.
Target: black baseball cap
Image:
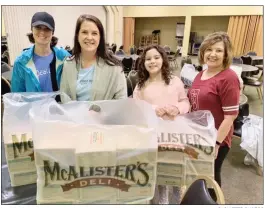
43	18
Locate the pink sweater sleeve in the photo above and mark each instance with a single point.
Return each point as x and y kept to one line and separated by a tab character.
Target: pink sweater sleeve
183	101
137	95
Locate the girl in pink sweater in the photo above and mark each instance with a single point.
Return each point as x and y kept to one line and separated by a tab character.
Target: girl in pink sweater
165	92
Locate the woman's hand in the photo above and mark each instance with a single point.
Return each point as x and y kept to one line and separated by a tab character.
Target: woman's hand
216	151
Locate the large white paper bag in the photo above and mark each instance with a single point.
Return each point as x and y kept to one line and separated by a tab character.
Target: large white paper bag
103	152
17	135
186	148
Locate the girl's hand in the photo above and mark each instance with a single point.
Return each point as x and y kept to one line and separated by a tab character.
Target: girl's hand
172	110
160	111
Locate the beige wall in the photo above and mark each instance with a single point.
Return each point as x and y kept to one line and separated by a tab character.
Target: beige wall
189	12
164	11
167	25
3	27
119	32
207	24
114	25
110	25
17	23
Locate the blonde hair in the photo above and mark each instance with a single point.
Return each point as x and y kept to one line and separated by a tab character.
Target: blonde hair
213	38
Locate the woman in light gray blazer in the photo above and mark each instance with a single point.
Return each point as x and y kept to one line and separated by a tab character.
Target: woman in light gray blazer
91	73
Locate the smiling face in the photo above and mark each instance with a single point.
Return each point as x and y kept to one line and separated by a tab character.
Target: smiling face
42	35
153	61
89	37
214	55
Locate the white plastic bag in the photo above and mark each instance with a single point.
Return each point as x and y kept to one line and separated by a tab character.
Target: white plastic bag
238	71
252	137
188	74
87	157
186	148
17	136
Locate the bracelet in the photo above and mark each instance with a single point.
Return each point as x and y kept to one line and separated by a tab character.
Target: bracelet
218	143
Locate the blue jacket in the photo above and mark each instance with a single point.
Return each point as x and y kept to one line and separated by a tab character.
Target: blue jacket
24	75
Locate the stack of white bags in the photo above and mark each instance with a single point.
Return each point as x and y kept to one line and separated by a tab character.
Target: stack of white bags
186	149
105	152
17	135
95	158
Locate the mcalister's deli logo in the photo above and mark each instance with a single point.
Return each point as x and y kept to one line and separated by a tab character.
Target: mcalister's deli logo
22	145
25	143
87	177
183	143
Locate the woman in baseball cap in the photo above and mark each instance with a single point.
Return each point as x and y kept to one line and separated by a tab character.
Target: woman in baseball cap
39	68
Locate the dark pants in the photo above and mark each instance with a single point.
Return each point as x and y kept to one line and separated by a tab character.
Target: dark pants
223	151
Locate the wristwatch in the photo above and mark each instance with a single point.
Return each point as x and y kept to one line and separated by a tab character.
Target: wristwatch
218	143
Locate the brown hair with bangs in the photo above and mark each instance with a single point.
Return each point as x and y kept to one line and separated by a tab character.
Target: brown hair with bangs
213	38
143	74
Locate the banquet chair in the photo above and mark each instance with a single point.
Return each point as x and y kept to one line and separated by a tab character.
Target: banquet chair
132	80
5	88
239	121
173	59
167	49
5	67
198	193
136	64
139	51
258	84
127	63
251	53
237	60
246	60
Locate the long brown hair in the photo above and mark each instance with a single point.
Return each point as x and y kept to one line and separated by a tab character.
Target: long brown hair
143	74
101	50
